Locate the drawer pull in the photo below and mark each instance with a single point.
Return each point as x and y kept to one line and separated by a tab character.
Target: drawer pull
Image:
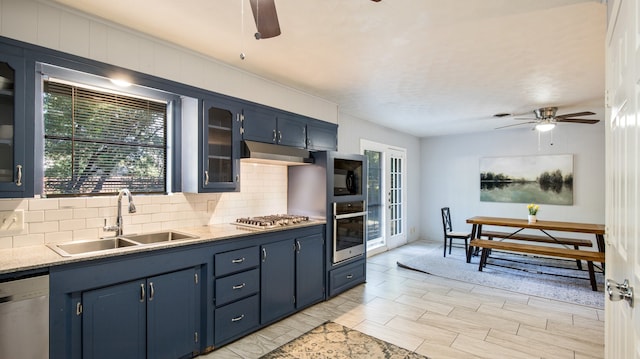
239	286
349	276
237	319
238	260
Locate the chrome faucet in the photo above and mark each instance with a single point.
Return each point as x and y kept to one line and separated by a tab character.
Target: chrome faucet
132	209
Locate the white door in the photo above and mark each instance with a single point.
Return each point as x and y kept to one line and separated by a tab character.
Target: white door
386	197
396	230
622	321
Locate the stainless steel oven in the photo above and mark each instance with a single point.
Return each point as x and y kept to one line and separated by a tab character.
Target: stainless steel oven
349	232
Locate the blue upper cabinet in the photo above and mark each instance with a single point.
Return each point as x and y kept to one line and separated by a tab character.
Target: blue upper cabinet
220	145
322	136
264	124
13	169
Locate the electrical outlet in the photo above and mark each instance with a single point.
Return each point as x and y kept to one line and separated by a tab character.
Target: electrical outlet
12	221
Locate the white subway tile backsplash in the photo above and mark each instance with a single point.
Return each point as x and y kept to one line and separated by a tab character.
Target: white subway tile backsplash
28	240
43	204
44	227
53	237
82	234
58	214
33	216
72	224
72	202
86	213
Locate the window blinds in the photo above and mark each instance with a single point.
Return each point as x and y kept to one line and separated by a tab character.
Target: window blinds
99	142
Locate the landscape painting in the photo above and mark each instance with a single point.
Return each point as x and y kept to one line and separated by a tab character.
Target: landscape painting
528	179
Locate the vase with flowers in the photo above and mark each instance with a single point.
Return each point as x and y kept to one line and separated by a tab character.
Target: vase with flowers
533	210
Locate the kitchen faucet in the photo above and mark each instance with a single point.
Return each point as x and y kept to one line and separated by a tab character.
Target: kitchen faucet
132	209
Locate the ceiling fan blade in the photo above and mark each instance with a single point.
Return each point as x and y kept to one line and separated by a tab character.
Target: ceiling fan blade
266	18
586	113
577	120
515	124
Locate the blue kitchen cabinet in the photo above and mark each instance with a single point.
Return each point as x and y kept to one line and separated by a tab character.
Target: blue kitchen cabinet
147	318
277	280
115	314
310	286
322	136
264	124
14	171
220	138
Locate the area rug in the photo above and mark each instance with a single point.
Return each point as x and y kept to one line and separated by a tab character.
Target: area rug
556	279
332	340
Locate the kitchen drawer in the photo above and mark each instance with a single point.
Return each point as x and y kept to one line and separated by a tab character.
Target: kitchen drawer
236	319
236	261
234	287
346	277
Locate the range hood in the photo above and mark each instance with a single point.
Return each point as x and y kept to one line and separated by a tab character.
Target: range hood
268	153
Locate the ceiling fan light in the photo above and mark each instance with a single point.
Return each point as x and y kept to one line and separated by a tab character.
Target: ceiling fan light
546	126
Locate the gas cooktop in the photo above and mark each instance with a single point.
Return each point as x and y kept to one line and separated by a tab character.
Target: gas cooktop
271	221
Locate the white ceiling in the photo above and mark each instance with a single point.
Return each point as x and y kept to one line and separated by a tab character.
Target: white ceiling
424	67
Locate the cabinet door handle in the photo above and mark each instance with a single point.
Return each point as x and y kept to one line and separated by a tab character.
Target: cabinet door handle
142	293
238	260
206	178
236	319
239	286
152	291
19	179
279	136
349	276
298	246
264	254
237	178
274	136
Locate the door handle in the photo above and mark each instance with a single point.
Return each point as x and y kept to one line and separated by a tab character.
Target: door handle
619	291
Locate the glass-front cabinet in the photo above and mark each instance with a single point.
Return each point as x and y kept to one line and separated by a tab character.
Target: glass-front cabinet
221	150
12	83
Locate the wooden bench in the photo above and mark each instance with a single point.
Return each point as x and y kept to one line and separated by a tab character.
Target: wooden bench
576	243
578	254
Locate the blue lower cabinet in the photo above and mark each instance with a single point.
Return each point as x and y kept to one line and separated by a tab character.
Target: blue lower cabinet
310	274
114	322
277	275
236	319
149	318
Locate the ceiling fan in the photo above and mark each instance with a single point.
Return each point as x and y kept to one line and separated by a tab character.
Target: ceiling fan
266	18
546	119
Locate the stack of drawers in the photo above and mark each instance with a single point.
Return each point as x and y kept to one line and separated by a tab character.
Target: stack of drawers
237	287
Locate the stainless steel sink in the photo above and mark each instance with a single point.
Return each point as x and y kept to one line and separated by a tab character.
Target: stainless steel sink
91	246
77	248
158	237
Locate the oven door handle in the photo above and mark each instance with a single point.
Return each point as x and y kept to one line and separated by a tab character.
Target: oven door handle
349	215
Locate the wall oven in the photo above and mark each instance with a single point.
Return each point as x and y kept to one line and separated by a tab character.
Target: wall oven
349	232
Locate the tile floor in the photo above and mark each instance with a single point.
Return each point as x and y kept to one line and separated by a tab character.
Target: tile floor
441	318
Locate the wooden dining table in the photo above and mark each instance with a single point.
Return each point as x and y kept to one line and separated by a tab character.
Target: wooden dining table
519	224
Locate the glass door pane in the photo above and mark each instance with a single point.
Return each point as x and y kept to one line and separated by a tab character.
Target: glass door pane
395	196
375	199
7	105
220	161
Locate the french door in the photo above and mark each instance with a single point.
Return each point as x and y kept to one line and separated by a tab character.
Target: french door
386	195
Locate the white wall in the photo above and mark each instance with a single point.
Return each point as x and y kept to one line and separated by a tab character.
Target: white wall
450	174
351	130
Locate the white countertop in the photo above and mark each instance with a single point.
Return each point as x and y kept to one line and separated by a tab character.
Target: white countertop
41	256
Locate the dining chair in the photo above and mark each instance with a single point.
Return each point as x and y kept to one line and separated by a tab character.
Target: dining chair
450	234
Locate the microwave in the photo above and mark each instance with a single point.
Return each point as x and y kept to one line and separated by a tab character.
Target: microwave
345	182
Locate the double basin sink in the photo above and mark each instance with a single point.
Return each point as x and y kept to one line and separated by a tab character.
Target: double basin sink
78	248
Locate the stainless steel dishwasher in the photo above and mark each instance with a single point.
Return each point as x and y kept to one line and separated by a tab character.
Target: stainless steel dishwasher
24	318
